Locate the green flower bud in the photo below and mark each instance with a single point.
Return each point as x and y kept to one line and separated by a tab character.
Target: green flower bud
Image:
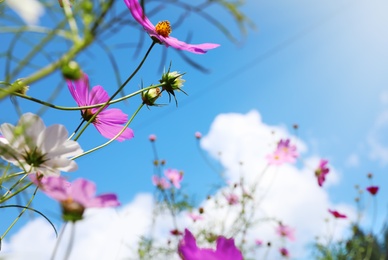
72	211
71	71
21	87
150	96
172	81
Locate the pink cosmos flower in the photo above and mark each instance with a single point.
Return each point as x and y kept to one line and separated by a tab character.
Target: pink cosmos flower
284	153
373	190
198	135
285	231
284	252
225	249
74	197
259	242
109	122
336	214
160	182
194	216
174	176
152	138
322	171
162	30
232	199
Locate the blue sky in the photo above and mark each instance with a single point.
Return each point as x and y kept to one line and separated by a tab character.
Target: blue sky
320	65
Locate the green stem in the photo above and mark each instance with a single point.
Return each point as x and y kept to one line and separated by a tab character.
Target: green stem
72	23
36	29
12	187
117	91
114	138
84	107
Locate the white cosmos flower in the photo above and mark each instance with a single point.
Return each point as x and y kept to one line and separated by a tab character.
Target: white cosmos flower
35	148
29	10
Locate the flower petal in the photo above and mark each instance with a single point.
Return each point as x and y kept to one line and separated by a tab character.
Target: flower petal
110	130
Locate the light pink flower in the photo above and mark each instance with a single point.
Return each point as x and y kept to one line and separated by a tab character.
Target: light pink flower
174	176
322	171
372	190
152	138
160	182
75	197
162	30
225	249
336	214
109	122
232	199
284	153
285	231
194	216
259	242
198	135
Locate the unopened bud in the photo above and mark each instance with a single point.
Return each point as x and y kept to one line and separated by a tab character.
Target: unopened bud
21	87
150	96
72	71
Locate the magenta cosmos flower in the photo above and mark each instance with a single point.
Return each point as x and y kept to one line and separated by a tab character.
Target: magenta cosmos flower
322	171
284	252
285	231
373	190
225	249
284	153
162	30
75	197
336	214
109	122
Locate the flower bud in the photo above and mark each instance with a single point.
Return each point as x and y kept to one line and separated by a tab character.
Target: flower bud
172	81
72	71
21	87
72	211
150	96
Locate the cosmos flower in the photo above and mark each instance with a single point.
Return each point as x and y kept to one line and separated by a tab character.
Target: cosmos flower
225	249
75	197
174	176
336	214
232	199
285	231
152	138
109	121
161	32
372	189
198	135
35	148
160	182
322	171
194	217
284	153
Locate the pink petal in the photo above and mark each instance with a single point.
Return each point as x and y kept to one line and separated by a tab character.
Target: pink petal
137	13
98	95
194	48
83	191
113	116
109	131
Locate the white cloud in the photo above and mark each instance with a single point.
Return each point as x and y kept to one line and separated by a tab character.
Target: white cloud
378	144
29	10
353	160
288	193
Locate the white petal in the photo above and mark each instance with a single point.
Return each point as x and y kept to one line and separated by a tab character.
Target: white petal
52	137
29	10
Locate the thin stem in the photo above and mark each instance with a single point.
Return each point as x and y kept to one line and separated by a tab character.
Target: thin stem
71	241
114	138
72	23
83	107
58	241
117	91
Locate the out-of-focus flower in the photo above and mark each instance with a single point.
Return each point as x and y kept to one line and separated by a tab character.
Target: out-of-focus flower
174	176
373	189
225	249
336	214
109	121
285	231
29	10
194	216
322	171
232	199
152	138
160	182
284	252
35	148
75	197
162	30
259	242
198	135
284	153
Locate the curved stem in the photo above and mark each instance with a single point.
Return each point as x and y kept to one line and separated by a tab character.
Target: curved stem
114	138
117	91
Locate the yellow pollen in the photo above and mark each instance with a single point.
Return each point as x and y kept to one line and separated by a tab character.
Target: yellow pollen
163	28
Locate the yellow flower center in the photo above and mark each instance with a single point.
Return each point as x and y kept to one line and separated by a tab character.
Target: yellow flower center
163	28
